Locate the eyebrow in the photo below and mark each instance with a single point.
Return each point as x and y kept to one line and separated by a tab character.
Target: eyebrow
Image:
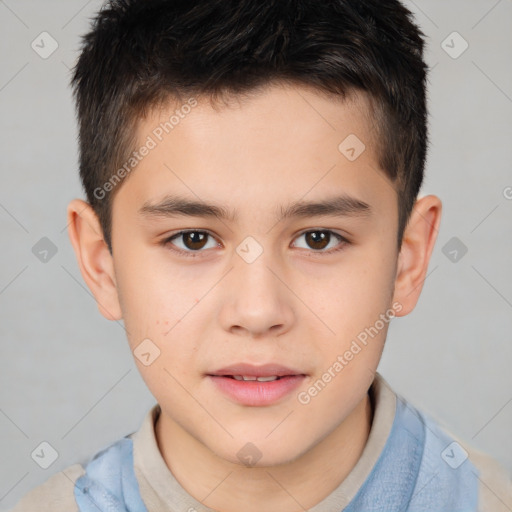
340	206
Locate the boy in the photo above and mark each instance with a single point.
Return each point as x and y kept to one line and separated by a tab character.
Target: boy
252	172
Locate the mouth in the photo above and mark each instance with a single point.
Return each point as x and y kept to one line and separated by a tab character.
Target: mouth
256	385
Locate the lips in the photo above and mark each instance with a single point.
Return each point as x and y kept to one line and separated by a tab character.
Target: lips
256	385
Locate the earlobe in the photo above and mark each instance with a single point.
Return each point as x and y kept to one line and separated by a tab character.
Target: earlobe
94	259
417	246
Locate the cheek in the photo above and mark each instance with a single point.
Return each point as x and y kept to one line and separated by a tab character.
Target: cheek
354	296
157	324
164	306
151	302
357	307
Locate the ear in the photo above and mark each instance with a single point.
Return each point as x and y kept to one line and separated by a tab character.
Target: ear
417	245
94	259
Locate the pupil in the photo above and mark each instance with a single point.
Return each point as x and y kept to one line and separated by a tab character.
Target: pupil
194	240
318	239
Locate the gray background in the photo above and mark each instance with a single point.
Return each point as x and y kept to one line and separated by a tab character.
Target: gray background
66	375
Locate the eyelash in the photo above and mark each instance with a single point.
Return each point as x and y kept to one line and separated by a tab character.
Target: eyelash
167	242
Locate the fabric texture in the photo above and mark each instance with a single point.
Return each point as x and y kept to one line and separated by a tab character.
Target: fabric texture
110	484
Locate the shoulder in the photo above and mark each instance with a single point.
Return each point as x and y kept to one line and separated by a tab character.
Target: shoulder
106	478
493	481
55	495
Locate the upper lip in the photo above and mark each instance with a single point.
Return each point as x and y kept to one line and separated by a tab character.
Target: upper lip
250	370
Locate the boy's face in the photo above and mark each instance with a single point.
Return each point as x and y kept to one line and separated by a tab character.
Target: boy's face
259	288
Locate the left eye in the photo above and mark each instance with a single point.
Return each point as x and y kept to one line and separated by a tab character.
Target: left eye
319	240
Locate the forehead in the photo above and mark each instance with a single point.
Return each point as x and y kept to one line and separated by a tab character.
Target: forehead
275	142
278	108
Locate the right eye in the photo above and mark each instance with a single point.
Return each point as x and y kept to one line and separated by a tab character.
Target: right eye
189	241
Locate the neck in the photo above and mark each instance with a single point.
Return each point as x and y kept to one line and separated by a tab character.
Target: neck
299	484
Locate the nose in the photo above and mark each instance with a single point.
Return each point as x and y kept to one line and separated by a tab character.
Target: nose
256	303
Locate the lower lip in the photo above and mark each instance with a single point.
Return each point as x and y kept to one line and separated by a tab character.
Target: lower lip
256	393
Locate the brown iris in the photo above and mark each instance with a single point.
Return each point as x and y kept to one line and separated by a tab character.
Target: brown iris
318	239
195	239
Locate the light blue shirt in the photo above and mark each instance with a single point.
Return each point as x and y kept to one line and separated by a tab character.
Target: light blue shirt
421	469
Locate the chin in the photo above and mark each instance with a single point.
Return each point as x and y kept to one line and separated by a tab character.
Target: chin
261	454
